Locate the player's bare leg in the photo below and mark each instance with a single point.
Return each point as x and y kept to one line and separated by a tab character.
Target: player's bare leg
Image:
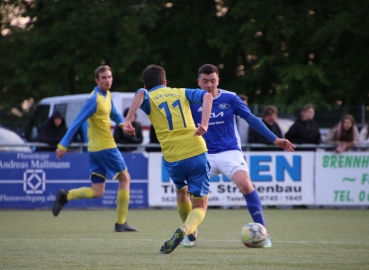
123	202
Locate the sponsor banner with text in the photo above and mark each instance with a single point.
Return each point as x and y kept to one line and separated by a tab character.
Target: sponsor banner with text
342	179
280	178
31	180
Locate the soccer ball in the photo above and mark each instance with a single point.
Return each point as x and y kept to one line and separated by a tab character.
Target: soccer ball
253	235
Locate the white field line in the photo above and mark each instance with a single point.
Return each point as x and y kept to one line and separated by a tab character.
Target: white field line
151	240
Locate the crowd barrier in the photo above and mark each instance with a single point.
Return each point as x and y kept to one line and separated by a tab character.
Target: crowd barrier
320	178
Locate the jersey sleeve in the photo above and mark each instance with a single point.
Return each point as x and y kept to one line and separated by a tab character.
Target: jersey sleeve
194	95
115	116
260	127
89	108
244	111
241	108
145	106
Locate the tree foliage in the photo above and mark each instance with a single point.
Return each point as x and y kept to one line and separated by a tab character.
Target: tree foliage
280	52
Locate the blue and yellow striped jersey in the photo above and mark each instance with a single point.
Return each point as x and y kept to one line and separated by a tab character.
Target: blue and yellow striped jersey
98	109
169	112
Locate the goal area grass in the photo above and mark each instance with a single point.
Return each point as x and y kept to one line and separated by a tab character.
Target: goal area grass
85	239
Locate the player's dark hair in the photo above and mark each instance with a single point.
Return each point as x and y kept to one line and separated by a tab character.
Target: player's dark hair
207	69
101	69
152	76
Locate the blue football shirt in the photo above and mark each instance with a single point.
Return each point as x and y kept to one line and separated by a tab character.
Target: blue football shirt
222	134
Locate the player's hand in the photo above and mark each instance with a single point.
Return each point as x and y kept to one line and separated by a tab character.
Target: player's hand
201	130
129	129
59	153
285	144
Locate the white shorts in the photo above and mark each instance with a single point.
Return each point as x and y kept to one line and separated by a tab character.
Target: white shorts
227	163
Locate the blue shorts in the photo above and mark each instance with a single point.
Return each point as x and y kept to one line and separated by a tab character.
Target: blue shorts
192	172
105	163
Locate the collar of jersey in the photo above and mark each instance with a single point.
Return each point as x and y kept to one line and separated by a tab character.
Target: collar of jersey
100	91
220	92
157	87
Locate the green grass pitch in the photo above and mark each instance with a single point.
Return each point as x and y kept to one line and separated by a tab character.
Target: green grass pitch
302	239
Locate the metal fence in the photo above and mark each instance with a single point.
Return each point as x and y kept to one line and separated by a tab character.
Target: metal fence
325	116
81	147
15	117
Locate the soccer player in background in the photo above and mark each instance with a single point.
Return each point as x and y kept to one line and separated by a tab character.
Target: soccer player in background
103	156
223	142
183	148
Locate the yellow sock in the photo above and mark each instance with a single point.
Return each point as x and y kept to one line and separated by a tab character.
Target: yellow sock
184	209
80	193
122	205
194	218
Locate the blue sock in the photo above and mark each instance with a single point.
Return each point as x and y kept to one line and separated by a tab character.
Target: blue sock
254	206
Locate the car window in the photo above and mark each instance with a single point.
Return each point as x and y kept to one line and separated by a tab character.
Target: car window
37	120
141	116
73	109
69	111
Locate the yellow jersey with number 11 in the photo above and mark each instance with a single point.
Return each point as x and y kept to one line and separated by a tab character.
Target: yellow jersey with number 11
169	112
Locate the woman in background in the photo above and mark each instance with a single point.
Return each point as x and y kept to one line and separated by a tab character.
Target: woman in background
345	134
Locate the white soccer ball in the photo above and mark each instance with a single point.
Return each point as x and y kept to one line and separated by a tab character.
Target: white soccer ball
253	235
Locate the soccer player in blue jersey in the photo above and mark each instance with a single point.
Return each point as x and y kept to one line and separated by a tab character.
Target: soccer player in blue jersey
184	150
104	158
223	142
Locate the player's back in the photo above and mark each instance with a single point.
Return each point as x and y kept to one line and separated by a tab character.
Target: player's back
171	117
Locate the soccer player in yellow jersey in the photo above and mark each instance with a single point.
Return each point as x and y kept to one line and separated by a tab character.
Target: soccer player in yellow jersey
184	149
103	156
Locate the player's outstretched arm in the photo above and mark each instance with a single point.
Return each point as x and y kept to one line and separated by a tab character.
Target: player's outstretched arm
136	103
207	103
285	144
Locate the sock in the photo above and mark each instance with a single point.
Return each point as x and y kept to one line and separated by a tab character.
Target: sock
194	218
254	206
184	209
122	205
80	193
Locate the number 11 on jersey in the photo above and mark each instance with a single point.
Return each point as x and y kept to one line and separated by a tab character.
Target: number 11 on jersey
175	105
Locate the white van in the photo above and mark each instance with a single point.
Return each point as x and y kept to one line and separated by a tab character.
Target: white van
69	106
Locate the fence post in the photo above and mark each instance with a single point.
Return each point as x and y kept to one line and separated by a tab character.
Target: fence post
256	108
363	114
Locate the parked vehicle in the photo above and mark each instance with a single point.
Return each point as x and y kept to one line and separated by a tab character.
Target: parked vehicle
8	137
70	105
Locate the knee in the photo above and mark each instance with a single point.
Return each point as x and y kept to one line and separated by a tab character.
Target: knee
99	192
245	187
124	177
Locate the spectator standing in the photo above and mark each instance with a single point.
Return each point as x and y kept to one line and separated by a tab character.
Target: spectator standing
305	130
345	135
52	132
121	137
243	126
269	119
